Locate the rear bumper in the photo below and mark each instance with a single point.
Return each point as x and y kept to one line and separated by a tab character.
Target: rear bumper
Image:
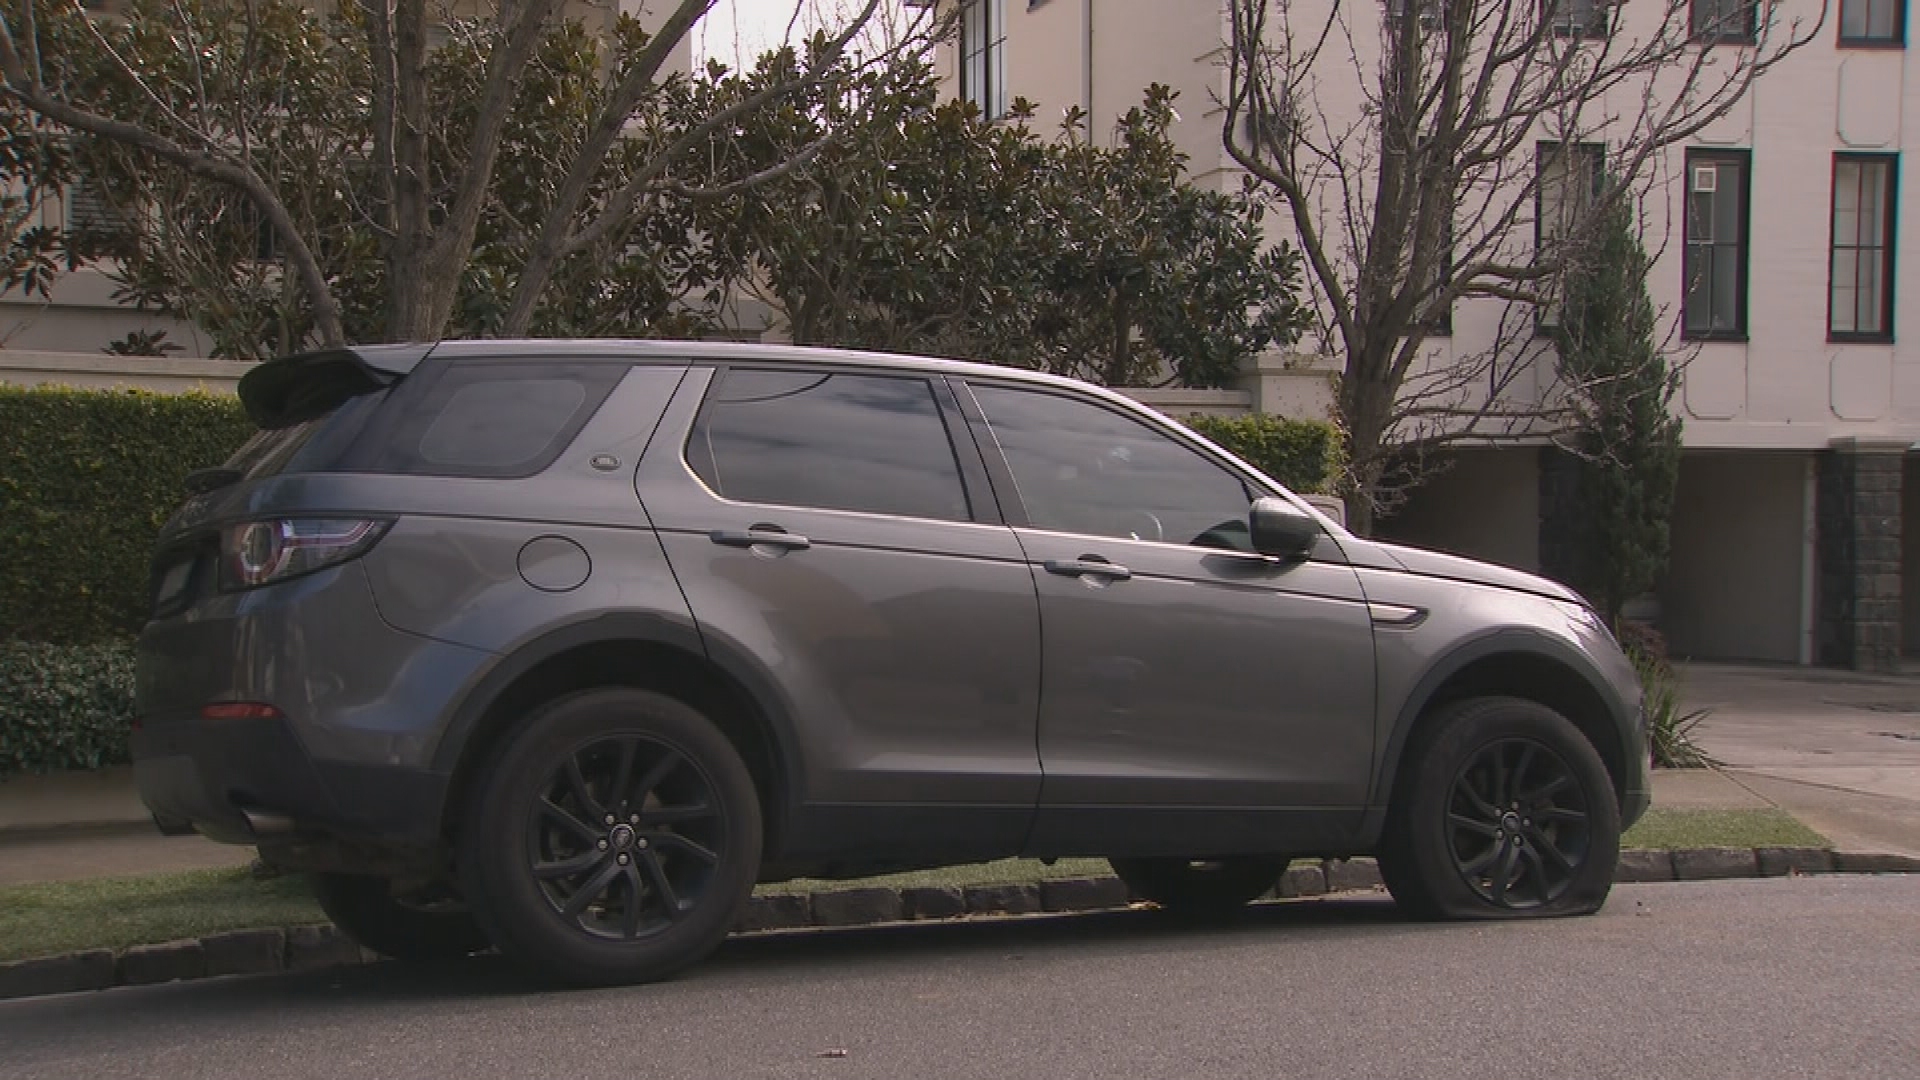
248	781
360	706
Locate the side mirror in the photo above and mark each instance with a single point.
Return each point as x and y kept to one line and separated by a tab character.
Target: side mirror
1281	529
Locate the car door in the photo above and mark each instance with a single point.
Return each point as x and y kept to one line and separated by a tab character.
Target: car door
1196	698
829	528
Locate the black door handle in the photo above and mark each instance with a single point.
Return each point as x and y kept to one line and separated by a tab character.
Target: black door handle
1088	566
760	536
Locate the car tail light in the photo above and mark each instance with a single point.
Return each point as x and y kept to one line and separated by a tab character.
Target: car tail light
259	553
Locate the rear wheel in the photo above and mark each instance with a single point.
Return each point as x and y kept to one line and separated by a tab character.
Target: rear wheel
1506	811
612	840
418	924
1200	886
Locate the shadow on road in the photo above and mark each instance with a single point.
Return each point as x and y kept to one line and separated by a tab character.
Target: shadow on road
762	957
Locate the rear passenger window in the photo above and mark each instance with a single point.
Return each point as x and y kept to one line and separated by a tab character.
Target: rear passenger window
869	443
497	420
495	425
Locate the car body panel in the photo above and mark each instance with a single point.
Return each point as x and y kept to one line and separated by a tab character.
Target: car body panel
910	647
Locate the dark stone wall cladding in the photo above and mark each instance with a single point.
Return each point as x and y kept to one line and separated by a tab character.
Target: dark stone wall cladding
1857	541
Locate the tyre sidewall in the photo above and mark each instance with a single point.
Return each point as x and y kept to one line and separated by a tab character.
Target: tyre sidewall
494	860
1421	845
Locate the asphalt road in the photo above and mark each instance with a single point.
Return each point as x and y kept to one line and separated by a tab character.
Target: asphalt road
1748	979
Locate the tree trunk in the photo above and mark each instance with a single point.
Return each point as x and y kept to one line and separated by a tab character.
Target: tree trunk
421	291
1367	404
1119	359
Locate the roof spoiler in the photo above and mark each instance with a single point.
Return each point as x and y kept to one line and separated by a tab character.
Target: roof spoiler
294	389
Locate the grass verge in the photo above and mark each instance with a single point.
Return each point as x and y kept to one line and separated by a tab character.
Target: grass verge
112	913
41	920
1667	828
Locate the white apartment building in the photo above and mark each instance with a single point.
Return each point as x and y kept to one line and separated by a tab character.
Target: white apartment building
1797	517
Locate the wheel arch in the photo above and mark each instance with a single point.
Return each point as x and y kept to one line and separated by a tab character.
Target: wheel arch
1512	663
640	650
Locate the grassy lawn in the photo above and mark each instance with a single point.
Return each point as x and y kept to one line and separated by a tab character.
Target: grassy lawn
39	920
1720	828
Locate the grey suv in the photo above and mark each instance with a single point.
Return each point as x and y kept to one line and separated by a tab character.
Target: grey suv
562	646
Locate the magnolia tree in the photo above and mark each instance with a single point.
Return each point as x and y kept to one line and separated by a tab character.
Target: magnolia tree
392	173
1443	155
926	228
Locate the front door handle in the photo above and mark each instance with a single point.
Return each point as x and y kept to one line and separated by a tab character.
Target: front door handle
1088	566
760	536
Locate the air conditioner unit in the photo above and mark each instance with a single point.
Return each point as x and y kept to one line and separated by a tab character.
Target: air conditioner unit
1706	179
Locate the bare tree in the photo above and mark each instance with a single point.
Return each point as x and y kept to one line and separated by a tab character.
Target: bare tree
427	199
1439	151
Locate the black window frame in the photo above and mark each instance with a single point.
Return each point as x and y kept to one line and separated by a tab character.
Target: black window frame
1710	36
991	94
1889	226
1897	40
1544	149
1599	10
982	507
1441	325
1700	155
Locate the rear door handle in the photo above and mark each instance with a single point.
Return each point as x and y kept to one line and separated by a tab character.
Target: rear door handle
760	536
1088	566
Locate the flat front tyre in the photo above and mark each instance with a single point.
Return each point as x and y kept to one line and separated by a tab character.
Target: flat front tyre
1200	886
612	839
1503	810
417	925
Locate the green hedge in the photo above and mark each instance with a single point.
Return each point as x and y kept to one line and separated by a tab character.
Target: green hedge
64	706
1302	455
87	477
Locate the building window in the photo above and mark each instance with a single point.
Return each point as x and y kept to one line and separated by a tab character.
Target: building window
1734	22
1569	179
1714	289
1873	22
983	56
1578	18
1440	318
1860	282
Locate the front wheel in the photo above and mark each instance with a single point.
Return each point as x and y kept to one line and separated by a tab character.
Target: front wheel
612	840
1506	810
419	925
1200	886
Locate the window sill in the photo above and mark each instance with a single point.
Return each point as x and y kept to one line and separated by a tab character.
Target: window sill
1872	44
1859	339
1718	337
1710	40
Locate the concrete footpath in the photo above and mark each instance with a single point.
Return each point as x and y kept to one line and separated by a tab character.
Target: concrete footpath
1837	750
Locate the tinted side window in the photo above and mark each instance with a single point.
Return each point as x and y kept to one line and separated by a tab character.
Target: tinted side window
500	424
870	443
1086	469
498	420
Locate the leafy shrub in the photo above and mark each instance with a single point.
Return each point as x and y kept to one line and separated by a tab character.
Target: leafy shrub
1302	455
1670	730
87	477
64	706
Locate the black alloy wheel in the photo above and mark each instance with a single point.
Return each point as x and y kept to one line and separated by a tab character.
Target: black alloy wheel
624	836
1517	824
612	839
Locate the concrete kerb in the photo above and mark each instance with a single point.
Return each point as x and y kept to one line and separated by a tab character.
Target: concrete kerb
318	947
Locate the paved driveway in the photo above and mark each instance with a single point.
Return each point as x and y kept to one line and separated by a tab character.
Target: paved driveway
1839	750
